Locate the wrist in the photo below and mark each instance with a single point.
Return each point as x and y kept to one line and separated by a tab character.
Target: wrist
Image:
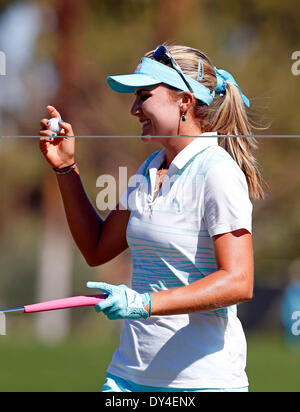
148	303
65	163
65	169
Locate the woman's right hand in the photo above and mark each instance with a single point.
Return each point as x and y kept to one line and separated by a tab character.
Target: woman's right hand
58	149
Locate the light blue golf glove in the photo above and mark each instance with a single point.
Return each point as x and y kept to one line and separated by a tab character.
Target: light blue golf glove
122	302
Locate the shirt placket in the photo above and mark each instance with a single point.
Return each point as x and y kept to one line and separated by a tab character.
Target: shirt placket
151	193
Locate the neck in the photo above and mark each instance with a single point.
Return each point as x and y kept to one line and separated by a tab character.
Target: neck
174	145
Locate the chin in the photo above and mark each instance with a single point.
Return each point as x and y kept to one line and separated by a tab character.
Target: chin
147	139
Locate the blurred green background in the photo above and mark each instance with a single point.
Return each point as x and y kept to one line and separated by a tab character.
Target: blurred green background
59	53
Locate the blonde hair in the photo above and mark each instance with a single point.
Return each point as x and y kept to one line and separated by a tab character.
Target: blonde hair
226	115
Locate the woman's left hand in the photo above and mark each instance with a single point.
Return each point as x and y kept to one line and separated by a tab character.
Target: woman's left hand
122	302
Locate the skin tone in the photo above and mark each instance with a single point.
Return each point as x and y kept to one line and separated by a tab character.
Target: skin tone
159	111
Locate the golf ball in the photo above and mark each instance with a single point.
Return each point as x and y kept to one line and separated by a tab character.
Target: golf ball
54	125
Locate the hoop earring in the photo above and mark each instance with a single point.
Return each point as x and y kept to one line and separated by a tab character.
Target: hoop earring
183	117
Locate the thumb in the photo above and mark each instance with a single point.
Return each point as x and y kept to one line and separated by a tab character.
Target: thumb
53	112
66	127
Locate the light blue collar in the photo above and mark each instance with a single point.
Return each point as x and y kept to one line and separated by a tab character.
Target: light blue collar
196	146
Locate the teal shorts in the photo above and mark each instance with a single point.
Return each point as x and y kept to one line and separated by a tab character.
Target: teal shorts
116	384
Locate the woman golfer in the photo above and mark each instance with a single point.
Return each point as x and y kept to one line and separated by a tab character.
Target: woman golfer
186	218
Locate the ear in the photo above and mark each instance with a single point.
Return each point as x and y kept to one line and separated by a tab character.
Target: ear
186	101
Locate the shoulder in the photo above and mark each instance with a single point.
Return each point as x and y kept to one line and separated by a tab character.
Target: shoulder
227	206
222	175
212	156
216	165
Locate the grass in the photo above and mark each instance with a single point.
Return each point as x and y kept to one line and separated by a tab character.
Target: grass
273	366
79	365
71	367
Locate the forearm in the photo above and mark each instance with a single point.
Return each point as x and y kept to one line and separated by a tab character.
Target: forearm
84	222
216	291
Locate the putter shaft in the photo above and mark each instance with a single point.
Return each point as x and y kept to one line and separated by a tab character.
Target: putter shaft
12	310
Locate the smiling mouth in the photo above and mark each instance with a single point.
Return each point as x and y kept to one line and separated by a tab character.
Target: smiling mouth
146	123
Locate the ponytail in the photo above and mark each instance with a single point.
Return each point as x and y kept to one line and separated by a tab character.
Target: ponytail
230	119
226	115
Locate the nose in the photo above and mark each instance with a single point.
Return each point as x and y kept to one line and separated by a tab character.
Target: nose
135	108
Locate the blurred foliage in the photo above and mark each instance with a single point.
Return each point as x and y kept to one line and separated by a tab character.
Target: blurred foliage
253	39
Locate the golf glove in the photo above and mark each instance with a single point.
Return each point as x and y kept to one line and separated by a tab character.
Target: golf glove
121	302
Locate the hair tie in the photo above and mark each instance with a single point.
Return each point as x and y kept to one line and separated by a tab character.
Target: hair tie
224	77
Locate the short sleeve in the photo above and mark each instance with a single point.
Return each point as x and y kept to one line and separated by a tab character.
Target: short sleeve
227	206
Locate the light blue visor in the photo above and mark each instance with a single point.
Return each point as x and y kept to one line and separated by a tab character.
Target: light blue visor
150	72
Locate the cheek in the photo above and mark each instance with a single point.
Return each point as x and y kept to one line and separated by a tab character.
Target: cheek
169	122
163	117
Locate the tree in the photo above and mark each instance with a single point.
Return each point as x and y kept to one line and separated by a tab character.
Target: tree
55	274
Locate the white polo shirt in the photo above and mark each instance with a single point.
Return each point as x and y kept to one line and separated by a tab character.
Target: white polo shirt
170	237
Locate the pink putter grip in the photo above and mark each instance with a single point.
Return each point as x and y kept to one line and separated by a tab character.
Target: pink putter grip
73	302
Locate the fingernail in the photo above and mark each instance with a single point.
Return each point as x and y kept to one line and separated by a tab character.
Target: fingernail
47	123
50	138
53	134
62	120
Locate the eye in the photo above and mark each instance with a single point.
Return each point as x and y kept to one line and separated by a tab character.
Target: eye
145	97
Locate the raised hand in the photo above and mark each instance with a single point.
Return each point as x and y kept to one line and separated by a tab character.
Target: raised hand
58	149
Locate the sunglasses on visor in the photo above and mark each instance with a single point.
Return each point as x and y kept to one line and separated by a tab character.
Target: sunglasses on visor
162	55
